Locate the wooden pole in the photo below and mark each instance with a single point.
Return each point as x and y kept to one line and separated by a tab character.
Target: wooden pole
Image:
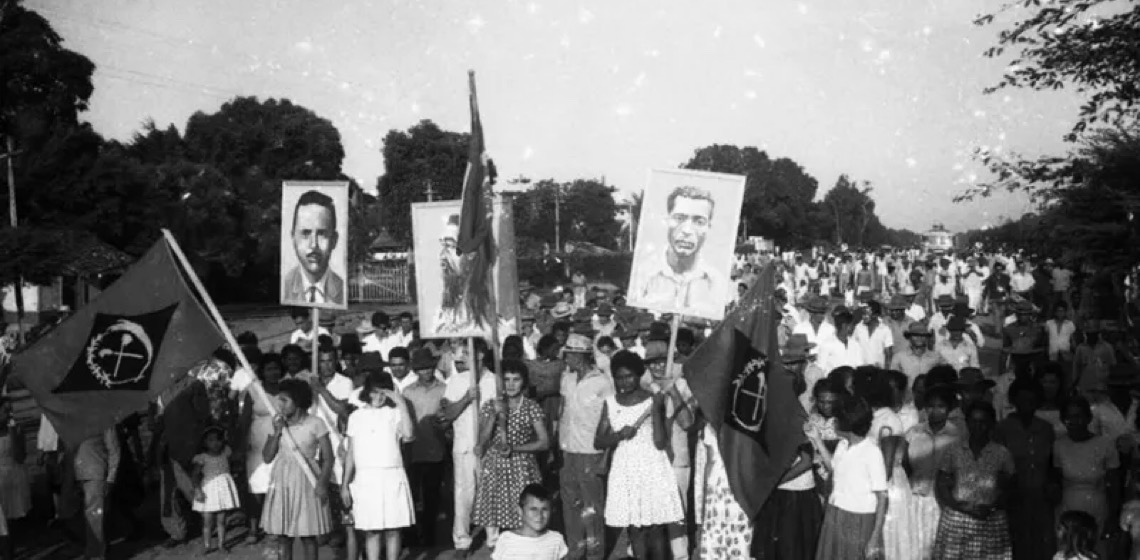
315	319
676	326
475	370
14	222
255	387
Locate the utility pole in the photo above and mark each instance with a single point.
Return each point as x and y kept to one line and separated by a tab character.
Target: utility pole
18	289
557	219
430	193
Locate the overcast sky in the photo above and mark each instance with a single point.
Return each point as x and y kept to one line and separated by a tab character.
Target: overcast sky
888	91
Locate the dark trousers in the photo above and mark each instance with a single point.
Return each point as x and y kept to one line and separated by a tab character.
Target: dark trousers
583	489
427	482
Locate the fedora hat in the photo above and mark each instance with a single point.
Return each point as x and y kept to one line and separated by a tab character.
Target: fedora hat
817	304
917	329
944	300
956	323
656	350
1023	307
797	349
562	310
963	310
365	327
370	361
423	359
908	290
578	344
898	302
658	331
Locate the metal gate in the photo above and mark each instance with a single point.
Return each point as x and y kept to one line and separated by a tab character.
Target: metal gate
380	282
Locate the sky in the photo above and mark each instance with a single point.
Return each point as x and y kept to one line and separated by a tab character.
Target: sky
888	91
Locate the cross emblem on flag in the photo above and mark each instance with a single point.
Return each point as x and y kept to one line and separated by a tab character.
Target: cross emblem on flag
119	354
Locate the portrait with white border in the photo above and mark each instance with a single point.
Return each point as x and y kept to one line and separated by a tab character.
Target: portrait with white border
314	241
682	262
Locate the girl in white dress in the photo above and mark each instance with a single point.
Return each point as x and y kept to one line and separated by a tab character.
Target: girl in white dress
256	424
216	491
375	484
642	489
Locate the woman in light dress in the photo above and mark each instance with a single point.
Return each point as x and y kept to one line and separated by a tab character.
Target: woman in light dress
375	484
926	444
1088	466
641	492
257	425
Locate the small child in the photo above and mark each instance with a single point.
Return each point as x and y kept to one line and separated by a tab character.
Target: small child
532	541
216	491
1076	537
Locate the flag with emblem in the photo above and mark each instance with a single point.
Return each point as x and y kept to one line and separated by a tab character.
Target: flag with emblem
113	356
747	396
476	215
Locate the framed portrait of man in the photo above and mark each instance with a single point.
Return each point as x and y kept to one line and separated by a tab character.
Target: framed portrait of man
682	262
453	301
314	241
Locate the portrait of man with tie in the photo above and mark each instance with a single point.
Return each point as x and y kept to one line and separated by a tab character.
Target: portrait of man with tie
313	234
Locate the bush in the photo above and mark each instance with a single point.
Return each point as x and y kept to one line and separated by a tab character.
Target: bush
608	268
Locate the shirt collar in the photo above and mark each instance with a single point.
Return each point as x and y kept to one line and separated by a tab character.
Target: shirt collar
320	284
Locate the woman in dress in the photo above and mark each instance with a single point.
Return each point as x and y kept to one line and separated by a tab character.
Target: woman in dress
15	486
256	425
295	509
972	486
375	484
1088	466
1030	440
641	492
857	507
509	462
874	385
927	443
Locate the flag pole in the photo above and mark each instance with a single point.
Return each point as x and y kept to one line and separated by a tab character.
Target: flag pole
668	362
255	386
475	370
314	334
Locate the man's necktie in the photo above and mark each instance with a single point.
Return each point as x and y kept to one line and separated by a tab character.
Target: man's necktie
312	294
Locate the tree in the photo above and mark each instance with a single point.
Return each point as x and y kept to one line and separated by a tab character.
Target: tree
586	213
425	155
1092	46
778	193
851	209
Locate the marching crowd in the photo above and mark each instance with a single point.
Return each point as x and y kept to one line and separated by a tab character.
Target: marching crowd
912	447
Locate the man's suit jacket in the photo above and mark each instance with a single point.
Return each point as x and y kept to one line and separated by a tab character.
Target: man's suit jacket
294	288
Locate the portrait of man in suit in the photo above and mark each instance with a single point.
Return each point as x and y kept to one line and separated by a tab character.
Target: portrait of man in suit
314	235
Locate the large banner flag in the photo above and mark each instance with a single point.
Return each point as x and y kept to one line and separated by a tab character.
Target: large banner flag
476	217
746	395
115	355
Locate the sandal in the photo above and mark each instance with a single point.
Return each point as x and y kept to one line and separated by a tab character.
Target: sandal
252	538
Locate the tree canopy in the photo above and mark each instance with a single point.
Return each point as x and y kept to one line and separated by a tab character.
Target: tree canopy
414	159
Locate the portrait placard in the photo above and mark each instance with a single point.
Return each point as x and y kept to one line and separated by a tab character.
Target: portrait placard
314	241
682	262
448	295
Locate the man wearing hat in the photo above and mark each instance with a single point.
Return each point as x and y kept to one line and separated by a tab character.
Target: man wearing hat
1114	402
957	349
917	357
426	452
529	333
1022	342
1021	281
973	280
996	292
582	484
798	356
816	329
602	320
915	311
897	321
945	305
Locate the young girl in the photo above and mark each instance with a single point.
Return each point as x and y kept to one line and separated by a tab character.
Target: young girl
532	541
1076	537
375	484
216	491
642	488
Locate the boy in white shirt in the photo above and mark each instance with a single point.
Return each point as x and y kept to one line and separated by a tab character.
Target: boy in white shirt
532	541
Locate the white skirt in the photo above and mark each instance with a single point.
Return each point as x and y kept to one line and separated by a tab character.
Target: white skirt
221	495
382	499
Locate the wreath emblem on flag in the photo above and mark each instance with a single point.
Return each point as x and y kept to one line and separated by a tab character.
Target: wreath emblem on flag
121	354
750	395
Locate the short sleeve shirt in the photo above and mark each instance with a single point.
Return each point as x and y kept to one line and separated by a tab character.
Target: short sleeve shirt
582	410
428	447
547	546
859	472
464	426
976	479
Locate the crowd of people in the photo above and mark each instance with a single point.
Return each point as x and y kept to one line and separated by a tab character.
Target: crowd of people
560	438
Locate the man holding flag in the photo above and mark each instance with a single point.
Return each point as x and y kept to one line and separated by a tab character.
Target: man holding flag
754	420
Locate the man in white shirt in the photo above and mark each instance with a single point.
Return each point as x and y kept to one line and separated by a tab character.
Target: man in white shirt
1060	330
306	335
462	399
1021	281
816	328
957	349
398	365
874	337
945	305
375	335
841	349
914	310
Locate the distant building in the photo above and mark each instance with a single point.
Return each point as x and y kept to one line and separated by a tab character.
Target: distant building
938	239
